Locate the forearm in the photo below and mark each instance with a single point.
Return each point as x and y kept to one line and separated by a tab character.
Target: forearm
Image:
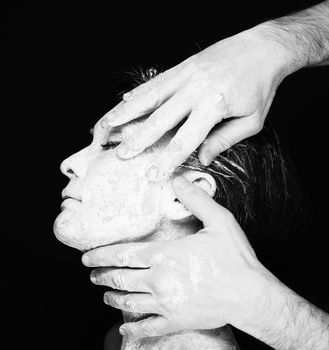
304	36
287	321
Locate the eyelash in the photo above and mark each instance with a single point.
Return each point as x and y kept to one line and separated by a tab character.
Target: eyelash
109	145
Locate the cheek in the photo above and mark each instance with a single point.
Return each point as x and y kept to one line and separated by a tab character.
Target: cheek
121	190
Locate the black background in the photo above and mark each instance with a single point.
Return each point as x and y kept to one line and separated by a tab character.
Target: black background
66	64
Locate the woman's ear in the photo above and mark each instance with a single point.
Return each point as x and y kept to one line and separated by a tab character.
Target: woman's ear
174	209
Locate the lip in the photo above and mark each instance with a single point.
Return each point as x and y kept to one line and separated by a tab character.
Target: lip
71	192
69	202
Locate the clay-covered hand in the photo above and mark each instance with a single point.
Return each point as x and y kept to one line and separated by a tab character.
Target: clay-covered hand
236	77
202	281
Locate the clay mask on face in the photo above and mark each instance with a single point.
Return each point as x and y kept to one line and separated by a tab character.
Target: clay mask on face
109	200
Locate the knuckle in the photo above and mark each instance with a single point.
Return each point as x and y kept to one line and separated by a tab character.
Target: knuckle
159	79
221	143
177	143
121	257
164	306
128	304
119	281
229	217
257	125
156	120
142	89
160	286
192	66
154	95
148	330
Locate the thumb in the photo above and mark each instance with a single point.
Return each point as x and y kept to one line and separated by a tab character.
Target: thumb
198	202
227	134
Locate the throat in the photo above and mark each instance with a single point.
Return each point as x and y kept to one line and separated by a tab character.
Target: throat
220	338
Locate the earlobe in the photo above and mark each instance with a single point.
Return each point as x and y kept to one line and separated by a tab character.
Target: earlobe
175	209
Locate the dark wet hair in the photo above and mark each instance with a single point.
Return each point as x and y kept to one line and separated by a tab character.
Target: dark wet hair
256	183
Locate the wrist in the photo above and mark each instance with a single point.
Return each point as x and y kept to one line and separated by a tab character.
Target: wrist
282	319
273	58
283	56
304	35
260	307
269	311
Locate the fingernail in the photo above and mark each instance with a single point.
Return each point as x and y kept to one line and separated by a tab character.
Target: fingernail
206	159
111	117
127	96
104	123
92	277
106	299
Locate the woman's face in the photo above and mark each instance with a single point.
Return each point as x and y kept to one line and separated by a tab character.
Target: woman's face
109	200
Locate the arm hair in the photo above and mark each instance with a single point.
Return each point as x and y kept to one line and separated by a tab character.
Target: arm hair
304	34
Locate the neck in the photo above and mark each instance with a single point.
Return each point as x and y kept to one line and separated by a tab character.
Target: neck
219	339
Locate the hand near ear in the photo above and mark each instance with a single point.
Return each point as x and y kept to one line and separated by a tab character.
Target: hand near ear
204	281
201	281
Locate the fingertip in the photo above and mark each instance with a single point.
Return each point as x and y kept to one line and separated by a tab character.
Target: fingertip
130	330
128	96
123	331
85	259
206	157
123	151
111	116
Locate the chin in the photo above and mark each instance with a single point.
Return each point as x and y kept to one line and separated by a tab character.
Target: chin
68	230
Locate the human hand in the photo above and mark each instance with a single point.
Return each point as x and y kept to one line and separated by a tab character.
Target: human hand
236	77
202	281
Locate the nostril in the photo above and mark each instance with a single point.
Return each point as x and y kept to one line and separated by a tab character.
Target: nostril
66	169
74	166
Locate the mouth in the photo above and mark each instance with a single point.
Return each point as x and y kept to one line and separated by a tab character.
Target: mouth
69	202
69	197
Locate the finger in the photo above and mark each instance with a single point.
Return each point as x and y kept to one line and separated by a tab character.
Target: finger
226	135
150	327
132	280
187	139
199	202
146	97
121	255
159	122
132	302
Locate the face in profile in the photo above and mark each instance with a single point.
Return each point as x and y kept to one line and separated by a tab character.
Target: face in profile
109	200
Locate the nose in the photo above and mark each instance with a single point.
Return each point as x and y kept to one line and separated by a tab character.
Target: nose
74	166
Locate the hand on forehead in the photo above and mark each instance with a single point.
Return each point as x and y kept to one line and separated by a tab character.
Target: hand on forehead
134	131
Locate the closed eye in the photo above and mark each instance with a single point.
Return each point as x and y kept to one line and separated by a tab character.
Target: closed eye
109	145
